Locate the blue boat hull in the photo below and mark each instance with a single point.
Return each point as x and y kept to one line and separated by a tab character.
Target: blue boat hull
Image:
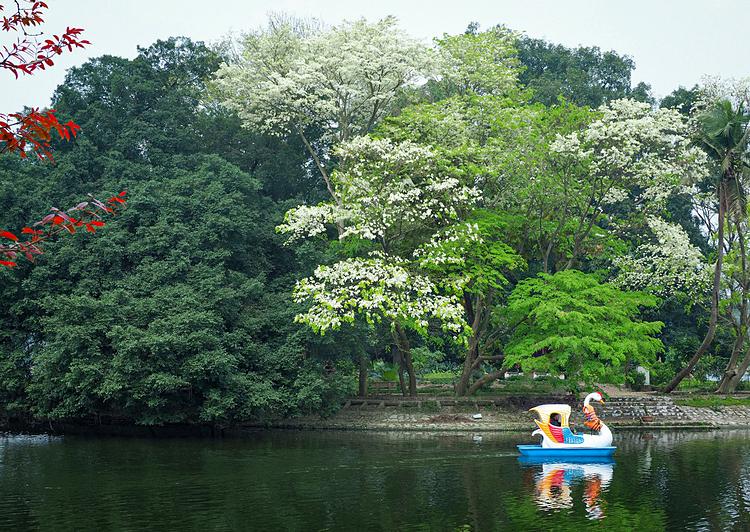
566	453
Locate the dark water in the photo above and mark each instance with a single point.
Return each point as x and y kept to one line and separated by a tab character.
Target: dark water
366	481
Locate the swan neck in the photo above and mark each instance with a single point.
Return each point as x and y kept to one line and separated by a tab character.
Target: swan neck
588	399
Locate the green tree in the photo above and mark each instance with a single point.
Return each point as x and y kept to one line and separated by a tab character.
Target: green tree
473	260
571	323
479	63
681	99
181	311
584	75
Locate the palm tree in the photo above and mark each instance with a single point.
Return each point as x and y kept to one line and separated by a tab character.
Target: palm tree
723	132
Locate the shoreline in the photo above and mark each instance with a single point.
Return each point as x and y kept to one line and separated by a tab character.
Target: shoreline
430	414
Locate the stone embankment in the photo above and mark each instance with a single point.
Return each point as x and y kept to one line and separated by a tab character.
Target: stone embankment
511	414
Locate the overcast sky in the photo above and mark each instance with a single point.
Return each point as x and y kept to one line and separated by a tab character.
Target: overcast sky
673	42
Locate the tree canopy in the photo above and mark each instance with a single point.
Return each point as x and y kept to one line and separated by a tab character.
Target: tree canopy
334	200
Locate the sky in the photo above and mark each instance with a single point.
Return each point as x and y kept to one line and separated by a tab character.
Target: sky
673	42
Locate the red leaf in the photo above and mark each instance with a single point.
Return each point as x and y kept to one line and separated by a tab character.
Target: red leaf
7	263
8	234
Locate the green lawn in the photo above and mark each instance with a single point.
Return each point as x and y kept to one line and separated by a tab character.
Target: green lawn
713	401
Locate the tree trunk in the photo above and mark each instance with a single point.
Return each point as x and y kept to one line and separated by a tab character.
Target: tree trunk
714	301
399	363
731	369
405	349
363	367
738	372
737	377
473	316
320	166
728	381
463	382
485	379
411	373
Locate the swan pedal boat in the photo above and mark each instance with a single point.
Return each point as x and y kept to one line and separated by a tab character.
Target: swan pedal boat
561	442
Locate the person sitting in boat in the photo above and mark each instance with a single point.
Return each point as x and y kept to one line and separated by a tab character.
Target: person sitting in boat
554	419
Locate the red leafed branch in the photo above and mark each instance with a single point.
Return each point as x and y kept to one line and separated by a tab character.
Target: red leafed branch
29	52
87	216
33	130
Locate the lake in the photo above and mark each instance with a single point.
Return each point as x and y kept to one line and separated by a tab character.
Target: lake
371	481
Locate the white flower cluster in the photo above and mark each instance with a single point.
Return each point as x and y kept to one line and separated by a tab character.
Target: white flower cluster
375	289
633	145
383	184
345	78
670	264
714	88
307	221
449	246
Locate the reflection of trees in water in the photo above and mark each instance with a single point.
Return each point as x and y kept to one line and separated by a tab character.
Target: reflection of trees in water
668	438
697	476
344	481
473	492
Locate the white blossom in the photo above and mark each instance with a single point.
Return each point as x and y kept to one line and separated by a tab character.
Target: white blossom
667	265
295	74
308	221
714	88
633	146
449	246
376	289
385	186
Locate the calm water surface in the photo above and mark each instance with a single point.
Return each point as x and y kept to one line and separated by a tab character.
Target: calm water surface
367	481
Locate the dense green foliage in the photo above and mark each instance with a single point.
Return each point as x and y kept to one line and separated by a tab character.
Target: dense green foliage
484	223
179	311
571	323
584	75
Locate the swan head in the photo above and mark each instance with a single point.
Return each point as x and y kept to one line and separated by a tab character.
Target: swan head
595	396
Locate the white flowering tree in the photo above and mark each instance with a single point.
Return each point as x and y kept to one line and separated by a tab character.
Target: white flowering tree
666	264
632	156
294	77
392	198
572	186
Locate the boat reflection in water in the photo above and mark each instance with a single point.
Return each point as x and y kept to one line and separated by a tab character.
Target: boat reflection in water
555	483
